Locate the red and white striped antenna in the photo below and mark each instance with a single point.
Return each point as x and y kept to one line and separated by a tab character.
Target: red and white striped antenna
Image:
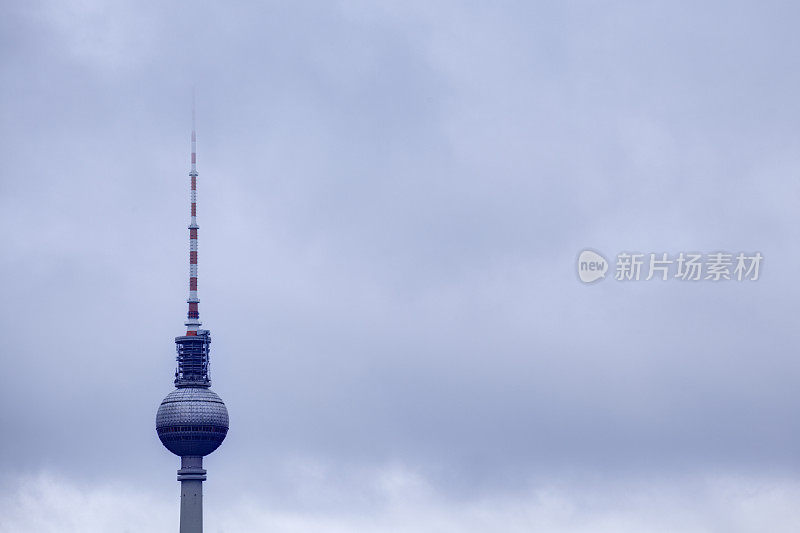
193	317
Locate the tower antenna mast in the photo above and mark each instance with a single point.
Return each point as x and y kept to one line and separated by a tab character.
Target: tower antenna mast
193	316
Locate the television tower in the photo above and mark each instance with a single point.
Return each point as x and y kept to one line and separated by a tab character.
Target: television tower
192	421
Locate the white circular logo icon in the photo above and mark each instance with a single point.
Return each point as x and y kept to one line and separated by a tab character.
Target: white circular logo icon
591	266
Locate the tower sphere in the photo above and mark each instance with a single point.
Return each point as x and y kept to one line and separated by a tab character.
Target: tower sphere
192	421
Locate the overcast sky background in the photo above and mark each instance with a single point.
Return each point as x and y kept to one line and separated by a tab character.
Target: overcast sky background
392	197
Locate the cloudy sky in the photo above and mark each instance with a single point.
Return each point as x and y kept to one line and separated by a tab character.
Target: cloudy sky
392	198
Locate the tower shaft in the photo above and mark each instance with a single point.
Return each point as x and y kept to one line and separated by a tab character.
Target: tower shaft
191	475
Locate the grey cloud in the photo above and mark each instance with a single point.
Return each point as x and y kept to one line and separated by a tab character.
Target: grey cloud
391	202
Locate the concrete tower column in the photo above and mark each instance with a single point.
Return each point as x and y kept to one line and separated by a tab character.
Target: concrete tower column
191	475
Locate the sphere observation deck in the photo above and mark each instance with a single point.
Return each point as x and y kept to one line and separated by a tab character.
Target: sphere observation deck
192	421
